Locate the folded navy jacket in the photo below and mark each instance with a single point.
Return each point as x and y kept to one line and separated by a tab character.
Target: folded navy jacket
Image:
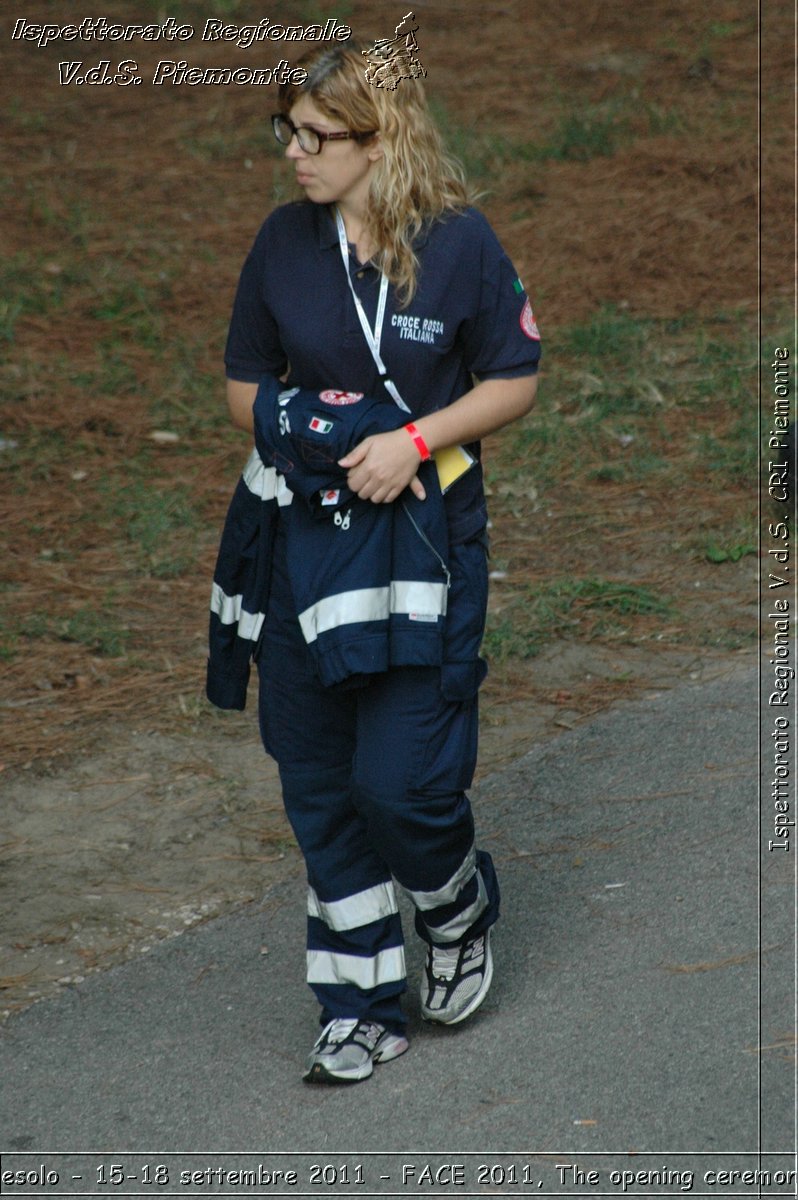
370	581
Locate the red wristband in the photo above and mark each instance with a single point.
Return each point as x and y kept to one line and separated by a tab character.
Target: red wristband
421	445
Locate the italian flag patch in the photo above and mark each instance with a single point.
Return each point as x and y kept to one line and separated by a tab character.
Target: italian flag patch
518	287
319	425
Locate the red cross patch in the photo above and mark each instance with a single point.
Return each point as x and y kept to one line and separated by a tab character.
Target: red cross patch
528	322
332	397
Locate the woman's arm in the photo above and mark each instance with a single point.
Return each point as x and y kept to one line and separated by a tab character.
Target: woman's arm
240	400
382	466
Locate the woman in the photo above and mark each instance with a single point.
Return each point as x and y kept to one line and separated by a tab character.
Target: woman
382	283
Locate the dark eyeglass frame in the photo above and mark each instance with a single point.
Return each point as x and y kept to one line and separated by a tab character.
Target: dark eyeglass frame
280	119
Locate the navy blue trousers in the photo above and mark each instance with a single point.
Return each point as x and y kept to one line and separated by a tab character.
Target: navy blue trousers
374	783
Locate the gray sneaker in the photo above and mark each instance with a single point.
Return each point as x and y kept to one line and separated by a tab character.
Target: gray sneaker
456	980
348	1048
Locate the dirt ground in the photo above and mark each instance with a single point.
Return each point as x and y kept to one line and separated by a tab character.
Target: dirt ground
130	809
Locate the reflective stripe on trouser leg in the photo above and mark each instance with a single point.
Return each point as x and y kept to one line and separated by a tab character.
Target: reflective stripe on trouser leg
410	788
459	909
355	958
355	954
352	911
366	974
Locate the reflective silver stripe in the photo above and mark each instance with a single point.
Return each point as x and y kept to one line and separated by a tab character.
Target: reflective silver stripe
229	611
264	481
415	596
373	604
456	929
353	911
284	493
260	479
362	604
387	966
450	891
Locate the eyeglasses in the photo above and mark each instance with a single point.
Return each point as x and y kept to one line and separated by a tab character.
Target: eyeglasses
310	140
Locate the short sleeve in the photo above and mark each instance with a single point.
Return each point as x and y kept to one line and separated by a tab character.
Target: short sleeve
501	341
253	340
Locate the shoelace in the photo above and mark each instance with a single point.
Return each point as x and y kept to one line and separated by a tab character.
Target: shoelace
342	1027
444	959
339	1029
444	962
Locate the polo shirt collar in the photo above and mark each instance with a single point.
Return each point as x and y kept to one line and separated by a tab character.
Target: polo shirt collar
328	231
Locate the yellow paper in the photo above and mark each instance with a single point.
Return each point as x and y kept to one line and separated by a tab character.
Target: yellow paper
452	462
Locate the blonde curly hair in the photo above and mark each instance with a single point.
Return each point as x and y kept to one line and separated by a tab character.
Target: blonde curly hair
415	180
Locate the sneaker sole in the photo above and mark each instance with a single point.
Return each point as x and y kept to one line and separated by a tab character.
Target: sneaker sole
318	1073
437	1019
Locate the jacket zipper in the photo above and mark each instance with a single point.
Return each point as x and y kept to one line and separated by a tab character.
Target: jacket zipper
428	544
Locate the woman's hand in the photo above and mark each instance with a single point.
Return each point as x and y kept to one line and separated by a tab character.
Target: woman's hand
382	466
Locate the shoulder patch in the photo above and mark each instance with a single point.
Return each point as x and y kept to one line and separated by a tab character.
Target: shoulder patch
528	323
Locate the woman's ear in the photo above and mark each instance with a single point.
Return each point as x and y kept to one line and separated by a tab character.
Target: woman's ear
374	148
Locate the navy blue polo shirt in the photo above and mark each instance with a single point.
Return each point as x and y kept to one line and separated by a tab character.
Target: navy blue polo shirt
470	316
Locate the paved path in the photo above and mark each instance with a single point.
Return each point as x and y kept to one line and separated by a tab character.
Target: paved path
624	1015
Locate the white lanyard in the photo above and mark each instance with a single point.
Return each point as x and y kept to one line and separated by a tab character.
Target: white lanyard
373	336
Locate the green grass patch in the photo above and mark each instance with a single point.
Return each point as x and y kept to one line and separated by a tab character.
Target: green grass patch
9	640
160	526
723	29
32	285
586	133
580	132
482	153
191	399
245	143
626	397
22	118
638	467
38	457
717	553
725	541
735	637
113	374
723	378
563	608
732	455
610	332
98	629
134	310
10	310
71	219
